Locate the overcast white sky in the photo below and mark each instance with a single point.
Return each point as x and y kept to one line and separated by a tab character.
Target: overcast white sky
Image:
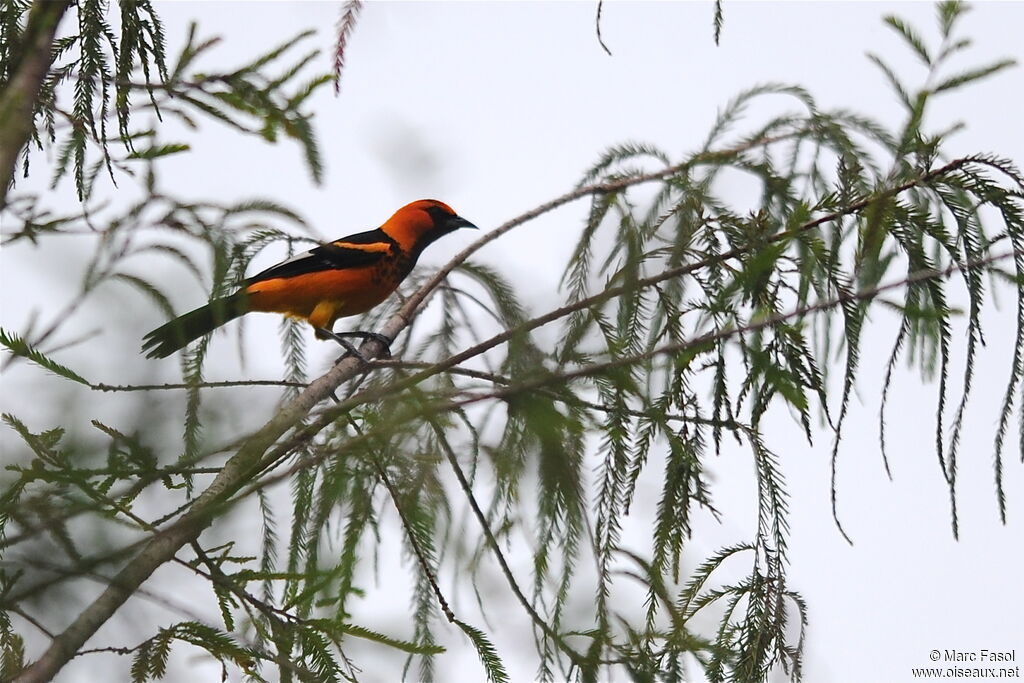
497	107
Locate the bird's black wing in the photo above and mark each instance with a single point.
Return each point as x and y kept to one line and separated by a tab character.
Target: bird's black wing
354	251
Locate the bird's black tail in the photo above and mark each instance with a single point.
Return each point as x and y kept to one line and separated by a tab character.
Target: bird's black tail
166	339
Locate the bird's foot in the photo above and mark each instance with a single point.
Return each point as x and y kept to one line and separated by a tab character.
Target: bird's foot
351	350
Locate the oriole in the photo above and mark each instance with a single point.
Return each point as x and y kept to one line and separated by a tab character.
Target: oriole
345	277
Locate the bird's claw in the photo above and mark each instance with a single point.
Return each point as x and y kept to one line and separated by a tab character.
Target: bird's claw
351	350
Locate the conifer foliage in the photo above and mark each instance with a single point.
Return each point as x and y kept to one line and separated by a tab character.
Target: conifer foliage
685	318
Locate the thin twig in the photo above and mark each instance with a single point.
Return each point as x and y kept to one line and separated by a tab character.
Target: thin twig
467	489
597	25
30	619
561	398
347	22
200	385
420	556
78	572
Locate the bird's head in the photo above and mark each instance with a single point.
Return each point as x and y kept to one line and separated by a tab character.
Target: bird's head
416	225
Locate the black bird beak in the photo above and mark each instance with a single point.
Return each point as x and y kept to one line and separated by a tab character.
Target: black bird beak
456	222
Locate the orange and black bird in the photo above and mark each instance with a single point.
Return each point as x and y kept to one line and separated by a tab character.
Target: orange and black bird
345	277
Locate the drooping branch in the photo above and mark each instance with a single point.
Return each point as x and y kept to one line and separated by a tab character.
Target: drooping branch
166	543
258	452
556	378
869	294
19	96
347	22
311	429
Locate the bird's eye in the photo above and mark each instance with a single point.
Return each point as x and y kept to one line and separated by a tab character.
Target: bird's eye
439	212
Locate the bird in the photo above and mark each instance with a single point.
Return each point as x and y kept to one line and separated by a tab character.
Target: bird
334	280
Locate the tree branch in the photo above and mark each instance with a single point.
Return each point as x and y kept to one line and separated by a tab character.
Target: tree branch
467	489
322	421
769	321
165	544
18	99
201	385
252	457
